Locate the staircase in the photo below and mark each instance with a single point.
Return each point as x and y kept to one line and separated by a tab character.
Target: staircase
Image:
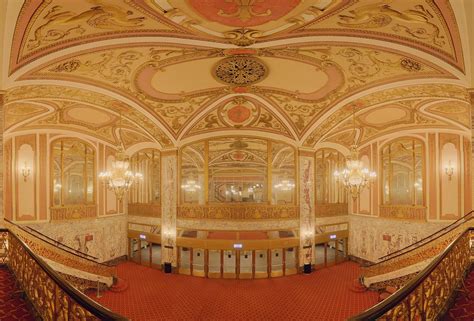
13	306
397	268
80	269
463	307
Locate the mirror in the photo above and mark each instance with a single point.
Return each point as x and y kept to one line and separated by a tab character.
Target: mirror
403	168
146	162
73	172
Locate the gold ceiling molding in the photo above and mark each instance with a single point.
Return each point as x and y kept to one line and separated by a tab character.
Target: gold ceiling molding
16	113
152	76
239	113
240	70
413	119
427	25
47	26
456	111
241	22
428	92
136	72
66	99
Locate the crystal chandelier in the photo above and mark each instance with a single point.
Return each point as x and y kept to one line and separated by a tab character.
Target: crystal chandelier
120	178
355	177
285	185
191	186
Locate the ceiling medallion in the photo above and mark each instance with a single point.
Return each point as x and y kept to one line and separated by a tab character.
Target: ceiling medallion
240	70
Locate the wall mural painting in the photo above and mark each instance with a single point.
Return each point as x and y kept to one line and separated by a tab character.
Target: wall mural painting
169	207
307	220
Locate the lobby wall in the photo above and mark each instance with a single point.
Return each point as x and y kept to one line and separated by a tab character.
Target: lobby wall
443	196
104	238
28	200
372	237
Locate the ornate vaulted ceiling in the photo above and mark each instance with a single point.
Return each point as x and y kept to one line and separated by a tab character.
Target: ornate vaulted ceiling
179	70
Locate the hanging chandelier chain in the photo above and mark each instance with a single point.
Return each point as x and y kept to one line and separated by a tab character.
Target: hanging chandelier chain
120	178
355	177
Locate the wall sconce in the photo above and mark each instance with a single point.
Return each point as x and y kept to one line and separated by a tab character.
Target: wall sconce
25	171
449	170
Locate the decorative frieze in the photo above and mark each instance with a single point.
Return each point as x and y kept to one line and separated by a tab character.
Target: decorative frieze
238	212
331	209
403	212
73	212
144	209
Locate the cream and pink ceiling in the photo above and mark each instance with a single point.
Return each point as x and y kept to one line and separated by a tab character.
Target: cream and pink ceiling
182	70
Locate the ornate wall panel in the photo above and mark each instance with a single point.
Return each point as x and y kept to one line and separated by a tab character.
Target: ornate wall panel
306	202
450	186
245	225
73	212
104	238
8	179
145	210
371	238
25	173
169	202
238	212
403	212
328	210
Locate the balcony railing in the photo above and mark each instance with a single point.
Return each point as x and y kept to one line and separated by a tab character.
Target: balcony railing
51	296
144	209
238	212
331	209
427	295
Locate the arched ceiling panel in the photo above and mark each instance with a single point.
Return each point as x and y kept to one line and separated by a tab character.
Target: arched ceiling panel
72	108
423	106
44	27
175	83
180	91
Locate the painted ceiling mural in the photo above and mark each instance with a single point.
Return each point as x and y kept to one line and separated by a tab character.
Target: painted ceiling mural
176	69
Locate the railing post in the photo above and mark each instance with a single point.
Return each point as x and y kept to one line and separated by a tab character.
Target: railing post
98	289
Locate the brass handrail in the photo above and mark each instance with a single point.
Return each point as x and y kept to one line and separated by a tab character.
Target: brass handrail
396	300
88	305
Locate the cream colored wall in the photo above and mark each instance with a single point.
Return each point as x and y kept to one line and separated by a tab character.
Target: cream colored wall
30	201
144	220
444	197
105	238
372	237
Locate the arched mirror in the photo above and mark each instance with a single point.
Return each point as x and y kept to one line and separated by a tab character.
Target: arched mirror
402	172
238	170
328	190
147	190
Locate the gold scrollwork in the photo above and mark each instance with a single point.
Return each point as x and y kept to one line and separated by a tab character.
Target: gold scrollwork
50	301
403	212
146	210
428	301
73	212
331	209
241	212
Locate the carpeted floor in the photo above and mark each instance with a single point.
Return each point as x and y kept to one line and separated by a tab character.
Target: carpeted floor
463	307
323	295
12	305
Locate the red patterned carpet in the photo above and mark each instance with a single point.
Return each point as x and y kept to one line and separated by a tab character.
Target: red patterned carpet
323	295
12	306
463	308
